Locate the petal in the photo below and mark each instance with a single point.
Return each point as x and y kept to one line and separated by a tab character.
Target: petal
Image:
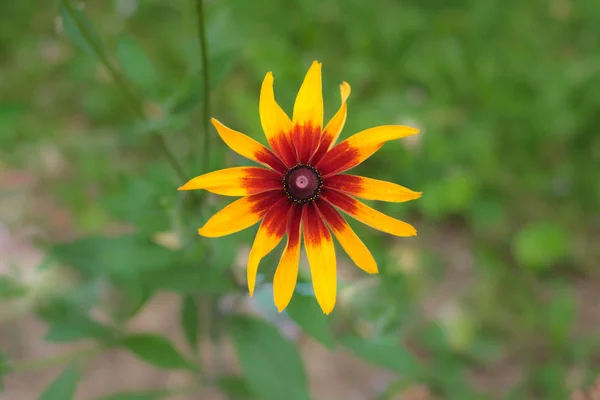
308	108
359	147
334	127
371	189
238	181
356	249
275	123
368	215
286	275
321	257
269	234
240	214
306	138
248	147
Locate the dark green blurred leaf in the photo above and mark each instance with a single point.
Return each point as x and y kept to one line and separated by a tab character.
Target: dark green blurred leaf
74	21
126	257
384	352
169	124
68	323
10	288
540	245
63	387
271	363
235	386
156	350
190	279
560	315
4	368
130	396
305	311
189	320
134	62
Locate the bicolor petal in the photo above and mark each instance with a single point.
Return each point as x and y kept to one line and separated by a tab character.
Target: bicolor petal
368	215
275	123
371	189
357	148
248	147
350	242
332	131
269	234
286	274
237	181
308	108
240	214
321	257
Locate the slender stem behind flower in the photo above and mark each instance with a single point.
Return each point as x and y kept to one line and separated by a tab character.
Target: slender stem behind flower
206	84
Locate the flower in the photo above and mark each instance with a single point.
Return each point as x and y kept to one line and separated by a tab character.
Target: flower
302	188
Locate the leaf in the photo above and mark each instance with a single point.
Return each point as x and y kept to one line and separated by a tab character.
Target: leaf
67	323
189	320
271	363
127	257
4	369
305	311
63	387
135	63
156	350
235	386
130	396
10	288
189	279
540	245
79	28
383	352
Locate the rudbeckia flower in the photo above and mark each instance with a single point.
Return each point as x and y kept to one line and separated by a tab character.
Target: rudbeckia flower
300	190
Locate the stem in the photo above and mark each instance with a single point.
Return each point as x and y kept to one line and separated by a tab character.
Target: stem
60	359
136	104
205	79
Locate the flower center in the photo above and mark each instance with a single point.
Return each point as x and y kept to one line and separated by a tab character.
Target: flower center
302	183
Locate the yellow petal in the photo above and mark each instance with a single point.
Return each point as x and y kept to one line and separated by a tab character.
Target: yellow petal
368	215
332	131
248	147
238	181
321	257
286	275
275	122
359	147
336	124
371	189
351	243
308	108
269	234
240	214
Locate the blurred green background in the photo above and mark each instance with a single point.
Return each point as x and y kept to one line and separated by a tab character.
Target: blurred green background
106	290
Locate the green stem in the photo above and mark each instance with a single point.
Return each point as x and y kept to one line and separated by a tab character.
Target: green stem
136	104
205	79
59	359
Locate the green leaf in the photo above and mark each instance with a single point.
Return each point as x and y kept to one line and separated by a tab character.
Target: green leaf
383	352
235	386
156	350
305	311
67	323
540	245
189	320
130	396
135	63
271	363
127	257
189	279
4	369
10	288
79	28
63	387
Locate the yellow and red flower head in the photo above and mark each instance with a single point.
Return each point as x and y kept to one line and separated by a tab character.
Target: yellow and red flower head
301	190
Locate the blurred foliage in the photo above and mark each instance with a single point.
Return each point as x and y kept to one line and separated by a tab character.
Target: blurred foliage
507	95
